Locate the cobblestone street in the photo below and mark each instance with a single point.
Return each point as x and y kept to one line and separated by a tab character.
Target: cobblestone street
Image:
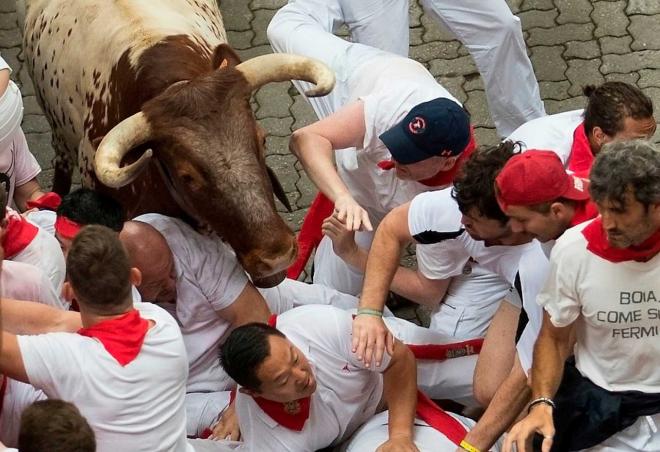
571	42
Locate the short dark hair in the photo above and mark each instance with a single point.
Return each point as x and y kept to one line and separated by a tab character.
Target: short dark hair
85	206
611	103
624	166
54	426
98	268
245	350
475	185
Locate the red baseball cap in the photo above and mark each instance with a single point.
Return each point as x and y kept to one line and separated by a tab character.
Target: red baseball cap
535	177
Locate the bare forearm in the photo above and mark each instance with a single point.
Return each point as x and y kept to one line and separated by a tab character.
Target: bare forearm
27	317
382	264
317	157
509	400
400	392
548	366
27	192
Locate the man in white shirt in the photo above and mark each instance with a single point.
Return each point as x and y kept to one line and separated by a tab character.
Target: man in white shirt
301	388
614	111
386	132
125	369
18	167
600	304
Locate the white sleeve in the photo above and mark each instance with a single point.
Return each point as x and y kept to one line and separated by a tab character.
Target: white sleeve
559	295
27	167
435	223
4	65
52	363
525	346
221	277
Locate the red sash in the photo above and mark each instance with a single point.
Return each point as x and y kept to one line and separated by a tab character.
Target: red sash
442	352
47	201
581	157
122	337
19	233
310	234
597	243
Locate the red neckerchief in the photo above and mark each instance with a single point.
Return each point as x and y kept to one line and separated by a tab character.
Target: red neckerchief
443	177
19	233
597	243
581	157
47	201
122	337
291	415
66	227
584	211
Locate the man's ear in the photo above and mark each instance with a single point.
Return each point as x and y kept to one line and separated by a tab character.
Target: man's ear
598	136
654	209
136	276
560	210
67	292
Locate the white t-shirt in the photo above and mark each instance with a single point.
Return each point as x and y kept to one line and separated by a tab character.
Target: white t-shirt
427	439
444	247
137	407
45	219
16	161
551	133
617	307
534	269
22	281
208	279
471	301
389	86
347	393
18	396
45	253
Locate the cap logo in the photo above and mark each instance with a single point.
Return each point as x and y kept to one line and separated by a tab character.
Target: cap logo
578	184
417	125
446	153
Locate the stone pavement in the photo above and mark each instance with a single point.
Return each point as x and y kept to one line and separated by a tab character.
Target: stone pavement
571	43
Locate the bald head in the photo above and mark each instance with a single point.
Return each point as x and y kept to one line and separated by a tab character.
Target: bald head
150	253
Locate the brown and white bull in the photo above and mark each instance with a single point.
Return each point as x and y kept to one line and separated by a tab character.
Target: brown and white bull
152	104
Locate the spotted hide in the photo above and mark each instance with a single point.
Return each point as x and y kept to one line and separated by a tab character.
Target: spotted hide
149	102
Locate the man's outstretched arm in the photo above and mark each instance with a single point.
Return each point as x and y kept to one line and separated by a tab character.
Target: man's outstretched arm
400	393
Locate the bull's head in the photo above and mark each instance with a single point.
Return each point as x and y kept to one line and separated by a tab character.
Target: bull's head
211	153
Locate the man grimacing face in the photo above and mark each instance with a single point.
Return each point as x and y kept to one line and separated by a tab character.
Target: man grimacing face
286	374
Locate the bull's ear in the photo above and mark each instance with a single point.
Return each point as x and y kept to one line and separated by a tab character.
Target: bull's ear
224	56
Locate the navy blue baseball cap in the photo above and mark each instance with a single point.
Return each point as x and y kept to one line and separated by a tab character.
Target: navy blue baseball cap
439	127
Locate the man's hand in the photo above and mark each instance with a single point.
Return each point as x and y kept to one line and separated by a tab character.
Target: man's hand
403	443
370	338
539	420
227	426
349	212
343	240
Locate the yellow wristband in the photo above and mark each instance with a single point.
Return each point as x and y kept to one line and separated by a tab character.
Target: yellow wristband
469	447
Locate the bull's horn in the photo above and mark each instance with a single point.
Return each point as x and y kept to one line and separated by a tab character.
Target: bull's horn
280	67
123	137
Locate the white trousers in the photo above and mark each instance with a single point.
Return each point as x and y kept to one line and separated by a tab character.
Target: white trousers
488	29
